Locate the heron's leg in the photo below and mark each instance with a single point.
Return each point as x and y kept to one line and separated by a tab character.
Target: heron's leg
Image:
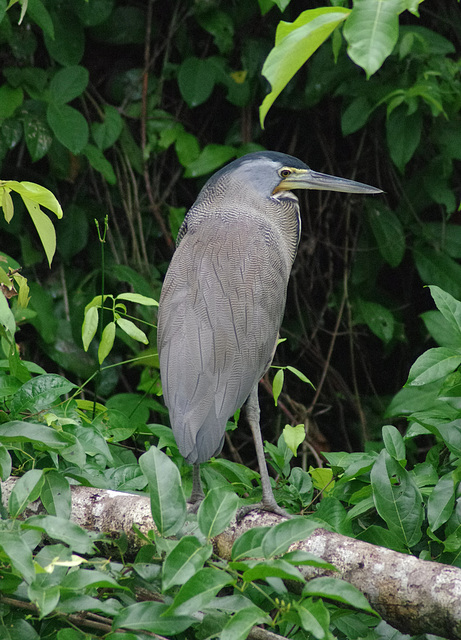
268	502
197	494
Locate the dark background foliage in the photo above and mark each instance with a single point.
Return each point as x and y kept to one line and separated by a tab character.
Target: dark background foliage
172	91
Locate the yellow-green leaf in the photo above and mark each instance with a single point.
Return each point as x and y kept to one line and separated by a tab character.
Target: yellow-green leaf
132	330
107	341
7	204
89	327
294	44
294	436
44	227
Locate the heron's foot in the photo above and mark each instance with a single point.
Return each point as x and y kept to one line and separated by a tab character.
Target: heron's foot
193	505
272	507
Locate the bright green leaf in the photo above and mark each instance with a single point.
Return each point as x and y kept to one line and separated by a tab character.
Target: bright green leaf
294	436
132	330
107	341
166	495
294	45
433	365
277	384
371	32
339	590
216	511
184	560
90	326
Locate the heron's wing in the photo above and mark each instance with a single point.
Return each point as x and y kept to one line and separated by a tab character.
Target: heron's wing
220	310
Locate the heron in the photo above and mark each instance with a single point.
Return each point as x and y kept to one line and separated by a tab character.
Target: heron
223	300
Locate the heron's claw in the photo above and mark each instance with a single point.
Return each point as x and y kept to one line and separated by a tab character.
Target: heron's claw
272	507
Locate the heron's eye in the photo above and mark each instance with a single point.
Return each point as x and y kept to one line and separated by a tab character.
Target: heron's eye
284	173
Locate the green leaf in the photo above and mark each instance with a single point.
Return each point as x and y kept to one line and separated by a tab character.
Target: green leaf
132	330
56	496
68	44
403	133
441	502
199	590
216	511
44	227
211	158
166	495
449	307
99	162
82	579
241	623
69	126
313	617
39	393
397	498
294	44
371	31
299	374
106	134
17	431
26	489
61	529
39	14
249	544
107	341
187	557
394	443
36	193
388	232
196	79
338	590
5	463
10	100
437	268
433	365
138	299
90	326
277	384
152	616
272	569
294	436
279	538
38	136
68	84
19	554
45	598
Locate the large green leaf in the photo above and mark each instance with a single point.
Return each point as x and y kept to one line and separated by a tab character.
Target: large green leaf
449	307
184	560
61	529
339	590
44	228
26	489
199	590
68	84
371	32
216	511
433	365
279	538
403	134
39	393
294	44
166	495
397	498
152	616
241	623
441	502
196	79
69	126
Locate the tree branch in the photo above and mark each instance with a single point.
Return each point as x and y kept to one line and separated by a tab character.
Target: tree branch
415	596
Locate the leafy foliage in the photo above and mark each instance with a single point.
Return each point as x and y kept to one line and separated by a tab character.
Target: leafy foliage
112	106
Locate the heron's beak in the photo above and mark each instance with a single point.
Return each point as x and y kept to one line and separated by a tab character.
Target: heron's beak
308	179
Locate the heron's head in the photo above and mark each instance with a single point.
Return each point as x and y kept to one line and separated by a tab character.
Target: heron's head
272	174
